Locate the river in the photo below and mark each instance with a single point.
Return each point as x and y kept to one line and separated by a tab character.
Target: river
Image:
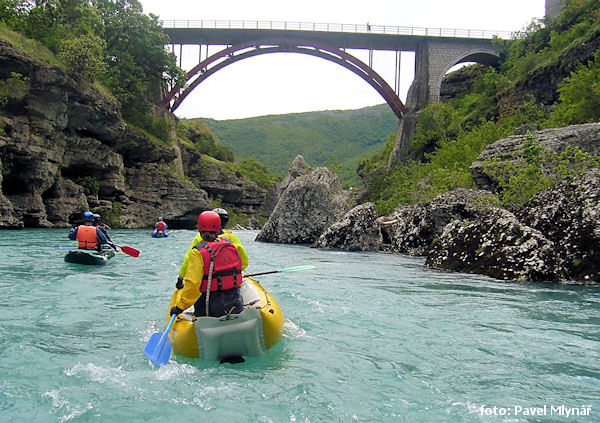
368	337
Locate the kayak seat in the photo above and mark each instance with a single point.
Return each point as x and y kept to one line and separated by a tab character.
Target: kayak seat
230	336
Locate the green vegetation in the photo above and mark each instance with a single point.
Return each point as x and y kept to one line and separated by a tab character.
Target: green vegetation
16	86
317	136
83	56
253	170
112	216
579	96
450	136
535	170
90	185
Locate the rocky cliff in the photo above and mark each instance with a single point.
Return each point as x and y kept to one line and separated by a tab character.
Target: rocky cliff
64	148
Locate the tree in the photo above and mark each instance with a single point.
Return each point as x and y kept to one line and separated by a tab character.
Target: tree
84	56
139	67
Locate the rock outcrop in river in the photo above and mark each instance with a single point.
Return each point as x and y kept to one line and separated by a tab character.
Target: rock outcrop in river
358	230
309	204
64	148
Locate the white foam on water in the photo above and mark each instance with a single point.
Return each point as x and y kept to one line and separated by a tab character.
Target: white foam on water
173	370
98	374
61	404
291	330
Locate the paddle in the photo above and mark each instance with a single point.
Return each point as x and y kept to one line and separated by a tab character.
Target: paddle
289	269
130	251
158	348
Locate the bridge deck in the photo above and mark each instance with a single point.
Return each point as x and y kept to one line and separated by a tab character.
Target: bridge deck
335	27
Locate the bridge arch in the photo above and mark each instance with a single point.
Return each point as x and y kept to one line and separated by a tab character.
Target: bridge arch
443	55
238	52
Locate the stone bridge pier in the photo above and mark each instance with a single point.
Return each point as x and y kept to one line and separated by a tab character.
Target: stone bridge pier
433	58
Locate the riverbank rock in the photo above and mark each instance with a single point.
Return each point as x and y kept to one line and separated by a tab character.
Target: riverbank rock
358	230
554	140
309	205
411	229
569	215
497	245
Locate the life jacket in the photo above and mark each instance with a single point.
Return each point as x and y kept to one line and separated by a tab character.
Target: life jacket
160	226
86	235
226	265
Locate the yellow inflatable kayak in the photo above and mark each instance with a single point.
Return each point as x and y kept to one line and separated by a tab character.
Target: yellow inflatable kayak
249	333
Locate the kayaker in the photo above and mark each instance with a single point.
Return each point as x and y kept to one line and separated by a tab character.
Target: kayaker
160	225
89	236
223	234
104	229
221	289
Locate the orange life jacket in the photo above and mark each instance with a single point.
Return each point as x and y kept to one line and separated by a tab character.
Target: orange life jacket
160	226
227	265
86	235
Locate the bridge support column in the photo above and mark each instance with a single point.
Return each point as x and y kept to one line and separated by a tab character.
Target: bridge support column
433	58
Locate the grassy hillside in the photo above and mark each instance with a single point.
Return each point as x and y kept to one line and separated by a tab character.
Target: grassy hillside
338	139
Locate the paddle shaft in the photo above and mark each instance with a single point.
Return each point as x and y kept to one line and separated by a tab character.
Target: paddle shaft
262	273
291	269
163	338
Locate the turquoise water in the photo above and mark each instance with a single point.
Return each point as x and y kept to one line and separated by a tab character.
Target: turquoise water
368	338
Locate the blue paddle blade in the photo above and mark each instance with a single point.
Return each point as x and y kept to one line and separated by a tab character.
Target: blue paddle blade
158	349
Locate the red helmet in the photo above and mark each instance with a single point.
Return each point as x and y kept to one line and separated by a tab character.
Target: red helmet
209	221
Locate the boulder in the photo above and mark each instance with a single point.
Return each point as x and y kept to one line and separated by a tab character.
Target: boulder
499	246
411	229
569	215
358	230
309	205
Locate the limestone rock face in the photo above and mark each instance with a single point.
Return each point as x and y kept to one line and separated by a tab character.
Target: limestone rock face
411	229
585	136
358	230
152	191
309	205
497	245
569	215
222	183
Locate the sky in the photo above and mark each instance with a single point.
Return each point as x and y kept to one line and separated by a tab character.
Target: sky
283	83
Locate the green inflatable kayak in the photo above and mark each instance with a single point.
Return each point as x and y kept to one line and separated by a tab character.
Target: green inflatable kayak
81	256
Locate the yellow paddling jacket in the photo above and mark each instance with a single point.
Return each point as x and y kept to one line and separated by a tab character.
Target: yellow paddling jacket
227	234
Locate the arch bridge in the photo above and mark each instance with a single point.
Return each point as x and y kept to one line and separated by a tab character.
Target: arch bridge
436	51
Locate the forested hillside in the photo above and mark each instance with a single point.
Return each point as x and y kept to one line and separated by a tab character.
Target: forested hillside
337	139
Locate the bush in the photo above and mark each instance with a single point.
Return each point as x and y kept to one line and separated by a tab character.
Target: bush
15	87
579	96
111	216
90	185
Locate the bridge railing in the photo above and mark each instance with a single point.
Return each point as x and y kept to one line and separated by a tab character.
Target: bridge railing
333	27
